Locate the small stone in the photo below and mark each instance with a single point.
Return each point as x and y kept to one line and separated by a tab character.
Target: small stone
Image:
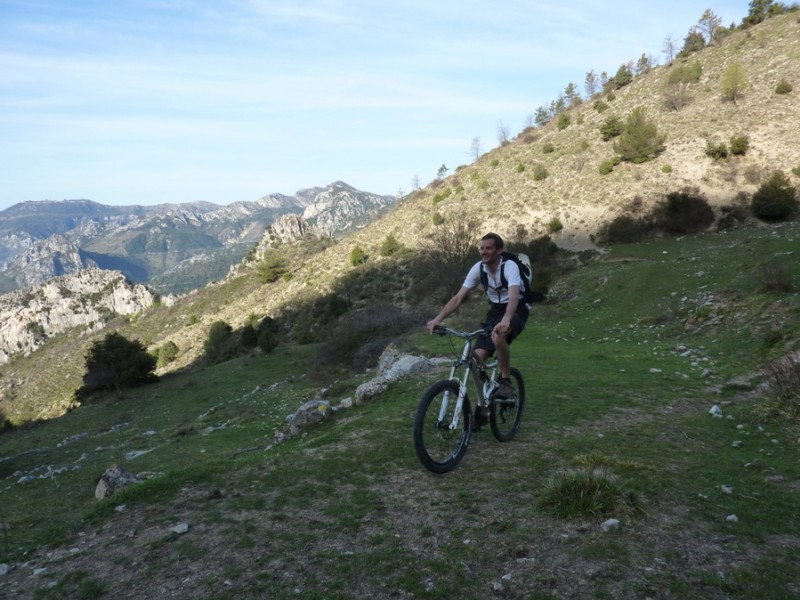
732	519
181	528
715	411
726	489
4	568
40	571
609	525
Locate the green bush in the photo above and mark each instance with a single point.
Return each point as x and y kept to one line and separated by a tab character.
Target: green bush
739	144
358	256
268	332
600	106
115	363
390	246
666	169
606	167
219	345
624	229
539	172
437	218
520	167
167	353
611	128
555	225
682	213
564	121
548	148
776	199
783	87
272	267
640	141
248	337
716	150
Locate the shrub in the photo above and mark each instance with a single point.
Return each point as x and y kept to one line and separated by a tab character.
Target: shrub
356	342
666	168
740	144
732	216
606	167
624	229
600	106
776	199
641	141
437	218
783	87
548	148
774	278
555	225
611	128
358	256
520	167
167	353
682	213
390	246
716	150
539	172
733	82
248	337
115	363
271	268
218	344
783	400
268	334
564	121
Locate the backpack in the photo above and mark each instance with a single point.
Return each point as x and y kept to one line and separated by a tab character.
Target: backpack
523	261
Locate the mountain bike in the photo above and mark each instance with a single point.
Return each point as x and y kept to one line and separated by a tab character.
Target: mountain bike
444	420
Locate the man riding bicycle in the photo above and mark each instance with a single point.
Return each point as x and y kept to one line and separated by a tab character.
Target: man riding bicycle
507	312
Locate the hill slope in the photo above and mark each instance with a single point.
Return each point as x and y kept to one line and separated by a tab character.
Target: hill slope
501	192
621	372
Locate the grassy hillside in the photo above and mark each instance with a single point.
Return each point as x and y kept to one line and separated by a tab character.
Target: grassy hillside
502	191
622	368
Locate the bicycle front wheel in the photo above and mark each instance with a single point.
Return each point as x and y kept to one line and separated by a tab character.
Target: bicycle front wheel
440	447
506	413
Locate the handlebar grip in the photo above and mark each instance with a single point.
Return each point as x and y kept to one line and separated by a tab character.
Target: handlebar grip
440	330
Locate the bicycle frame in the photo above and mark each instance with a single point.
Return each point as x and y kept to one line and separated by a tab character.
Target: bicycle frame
484	385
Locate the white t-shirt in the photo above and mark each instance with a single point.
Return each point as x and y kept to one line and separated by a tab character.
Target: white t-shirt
494	291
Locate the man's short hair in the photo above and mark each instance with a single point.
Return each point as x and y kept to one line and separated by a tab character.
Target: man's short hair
498	241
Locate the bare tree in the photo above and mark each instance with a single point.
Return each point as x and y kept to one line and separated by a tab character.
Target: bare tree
415	183
590	84
503	133
453	245
669	49
475	148
709	25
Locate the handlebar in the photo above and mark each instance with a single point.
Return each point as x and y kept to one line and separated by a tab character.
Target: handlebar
442	330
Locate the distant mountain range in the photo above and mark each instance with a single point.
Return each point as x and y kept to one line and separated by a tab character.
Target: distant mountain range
174	248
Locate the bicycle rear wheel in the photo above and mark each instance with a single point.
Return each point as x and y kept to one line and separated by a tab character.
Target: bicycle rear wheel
506	413
438	447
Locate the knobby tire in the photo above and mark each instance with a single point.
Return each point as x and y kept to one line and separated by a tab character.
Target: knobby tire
439	448
506	414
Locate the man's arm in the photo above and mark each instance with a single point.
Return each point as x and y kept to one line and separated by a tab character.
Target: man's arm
449	308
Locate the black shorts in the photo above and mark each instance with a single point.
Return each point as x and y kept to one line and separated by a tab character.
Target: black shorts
493	317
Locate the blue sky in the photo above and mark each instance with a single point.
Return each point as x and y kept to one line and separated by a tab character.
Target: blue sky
152	101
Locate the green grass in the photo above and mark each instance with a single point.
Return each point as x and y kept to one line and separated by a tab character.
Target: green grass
618	397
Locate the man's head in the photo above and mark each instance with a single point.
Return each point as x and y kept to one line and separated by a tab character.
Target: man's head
490	248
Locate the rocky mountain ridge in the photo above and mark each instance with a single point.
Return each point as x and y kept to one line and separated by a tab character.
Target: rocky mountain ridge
41	240
86	300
